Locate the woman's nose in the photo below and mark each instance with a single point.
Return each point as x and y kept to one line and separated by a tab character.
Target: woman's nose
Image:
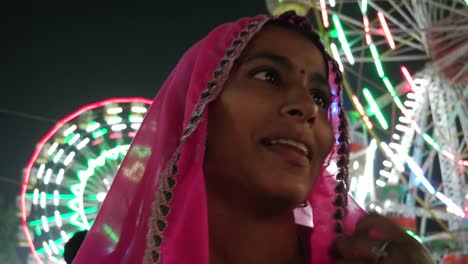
304	110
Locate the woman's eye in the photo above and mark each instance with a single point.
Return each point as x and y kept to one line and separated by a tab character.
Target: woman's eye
320	99
267	75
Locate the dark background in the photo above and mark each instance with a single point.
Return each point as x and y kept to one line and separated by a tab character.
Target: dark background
58	56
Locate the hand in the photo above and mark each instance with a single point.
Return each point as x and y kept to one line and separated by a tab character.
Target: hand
376	233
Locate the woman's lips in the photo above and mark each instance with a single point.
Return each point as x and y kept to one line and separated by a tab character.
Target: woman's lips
290	154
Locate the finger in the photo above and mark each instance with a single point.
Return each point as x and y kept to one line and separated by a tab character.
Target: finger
358	248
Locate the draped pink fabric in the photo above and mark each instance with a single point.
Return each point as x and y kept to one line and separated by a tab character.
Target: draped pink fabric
156	210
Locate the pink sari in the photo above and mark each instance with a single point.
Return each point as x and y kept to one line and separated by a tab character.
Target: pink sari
156	210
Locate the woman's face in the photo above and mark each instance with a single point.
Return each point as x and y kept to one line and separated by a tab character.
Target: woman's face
268	132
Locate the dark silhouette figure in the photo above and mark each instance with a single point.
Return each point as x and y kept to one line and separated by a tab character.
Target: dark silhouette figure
73	245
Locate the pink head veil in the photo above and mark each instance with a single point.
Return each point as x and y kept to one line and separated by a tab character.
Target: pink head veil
156	210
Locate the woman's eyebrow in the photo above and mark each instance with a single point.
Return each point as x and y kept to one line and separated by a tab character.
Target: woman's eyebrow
288	64
275	58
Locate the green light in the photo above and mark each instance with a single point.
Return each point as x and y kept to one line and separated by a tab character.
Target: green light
100	133
375	108
63	217
392	92
364	6
50	219
112	235
59	241
412	234
38	230
67	139
343	40
334	33
92	197
51	196
100	161
378	63
431	141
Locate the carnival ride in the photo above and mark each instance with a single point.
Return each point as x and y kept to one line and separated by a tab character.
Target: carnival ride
71	170
406	83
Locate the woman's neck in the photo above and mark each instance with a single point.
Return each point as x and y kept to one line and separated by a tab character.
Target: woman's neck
239	236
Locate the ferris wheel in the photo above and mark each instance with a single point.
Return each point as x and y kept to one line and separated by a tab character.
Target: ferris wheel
406	77
71	170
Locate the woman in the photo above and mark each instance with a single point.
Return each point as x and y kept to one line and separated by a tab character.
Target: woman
230	164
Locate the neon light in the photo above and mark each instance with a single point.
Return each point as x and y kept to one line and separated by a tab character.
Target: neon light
69	130
139	109
58	218
364	6
323	7
40	171
408	78
134	126
387	163
42	202
418	173
64	236
52	148
45	224
114	120
367	29
100	133
413	235
132	134
56	197
362	112
392	92
47	176
38	150
74	139
343	40
115	135
47	249
135	119
388	34
380	183
60	174
58	156
92	126
404	120
118	127
49	196
375	108
97	141
333	3
388	175
378	63
392	157
53	247
336	55
364	184
69	158
451	206
431	142
35	196
83	143
114	110
448	154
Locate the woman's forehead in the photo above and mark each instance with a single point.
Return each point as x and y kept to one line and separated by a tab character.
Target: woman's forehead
288	43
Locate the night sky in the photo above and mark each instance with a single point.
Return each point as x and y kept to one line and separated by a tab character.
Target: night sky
59	56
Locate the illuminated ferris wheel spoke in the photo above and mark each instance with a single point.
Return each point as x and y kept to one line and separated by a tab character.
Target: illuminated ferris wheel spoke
71	171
